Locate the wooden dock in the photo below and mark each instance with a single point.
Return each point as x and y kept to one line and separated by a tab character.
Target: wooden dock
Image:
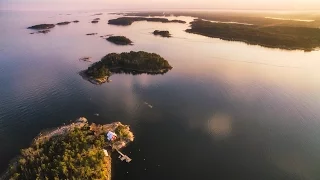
123	157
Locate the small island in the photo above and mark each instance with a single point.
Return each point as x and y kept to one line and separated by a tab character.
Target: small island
126	21
94	22
41	32
42	26
162	33
282	37
44	31
76	21
97	14
91	34
178	21
76	151
127	62
86	59
63	23
119	40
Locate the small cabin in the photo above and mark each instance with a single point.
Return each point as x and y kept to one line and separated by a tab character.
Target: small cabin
111	136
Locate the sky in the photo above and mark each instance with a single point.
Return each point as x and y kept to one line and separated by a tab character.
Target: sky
158	4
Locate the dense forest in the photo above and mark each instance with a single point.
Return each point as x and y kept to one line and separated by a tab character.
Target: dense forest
126	21
269	36
142	62
119	40
77	154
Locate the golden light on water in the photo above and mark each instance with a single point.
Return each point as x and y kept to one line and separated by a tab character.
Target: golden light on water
220	125
288	19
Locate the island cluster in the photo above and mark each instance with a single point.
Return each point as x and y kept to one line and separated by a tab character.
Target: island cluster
80	150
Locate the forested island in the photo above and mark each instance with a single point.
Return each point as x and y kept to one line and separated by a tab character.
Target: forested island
126	21
119	40
96	20
291	38
162	33
74	151
63	23
126	62
42	26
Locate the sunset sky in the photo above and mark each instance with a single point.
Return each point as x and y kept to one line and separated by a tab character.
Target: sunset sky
157	4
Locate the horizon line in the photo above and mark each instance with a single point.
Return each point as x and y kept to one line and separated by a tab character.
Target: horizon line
152	9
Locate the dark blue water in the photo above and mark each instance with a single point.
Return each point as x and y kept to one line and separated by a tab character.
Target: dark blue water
227	110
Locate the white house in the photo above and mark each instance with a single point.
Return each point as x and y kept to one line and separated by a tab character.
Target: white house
111	136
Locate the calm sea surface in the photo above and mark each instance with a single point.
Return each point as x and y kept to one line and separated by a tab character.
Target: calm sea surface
226	110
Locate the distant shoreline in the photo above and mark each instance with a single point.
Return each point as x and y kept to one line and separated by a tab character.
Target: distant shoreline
282	37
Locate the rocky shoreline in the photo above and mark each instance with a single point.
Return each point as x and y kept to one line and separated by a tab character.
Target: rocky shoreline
95	81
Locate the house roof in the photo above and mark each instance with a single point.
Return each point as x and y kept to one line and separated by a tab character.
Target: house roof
110	135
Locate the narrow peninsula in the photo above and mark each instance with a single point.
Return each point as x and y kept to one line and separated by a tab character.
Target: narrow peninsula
75	151
126	21
127	62
119	40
